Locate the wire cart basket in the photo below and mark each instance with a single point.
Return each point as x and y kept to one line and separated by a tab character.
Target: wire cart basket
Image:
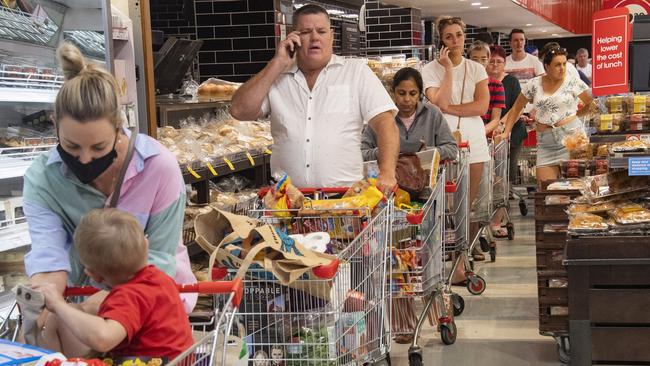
227	296
456	241
418	269
340	320
495	184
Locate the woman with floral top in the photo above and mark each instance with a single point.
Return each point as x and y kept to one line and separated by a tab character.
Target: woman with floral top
555	97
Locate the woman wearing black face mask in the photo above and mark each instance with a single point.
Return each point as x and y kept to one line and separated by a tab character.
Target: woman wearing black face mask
82	173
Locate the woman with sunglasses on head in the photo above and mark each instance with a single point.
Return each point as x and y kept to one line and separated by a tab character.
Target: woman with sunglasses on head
459	87
555	97
82	173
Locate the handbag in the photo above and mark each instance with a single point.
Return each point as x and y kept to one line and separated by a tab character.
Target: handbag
458	136
409	173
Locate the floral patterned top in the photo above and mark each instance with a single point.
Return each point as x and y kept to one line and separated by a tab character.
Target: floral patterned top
553	108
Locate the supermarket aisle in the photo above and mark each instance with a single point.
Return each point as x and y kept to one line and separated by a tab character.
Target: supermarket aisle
499	327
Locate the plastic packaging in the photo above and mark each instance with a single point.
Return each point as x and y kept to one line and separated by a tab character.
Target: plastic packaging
586	222
557	200
609	123
630	213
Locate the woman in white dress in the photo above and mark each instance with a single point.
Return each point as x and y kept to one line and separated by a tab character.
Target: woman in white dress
444	81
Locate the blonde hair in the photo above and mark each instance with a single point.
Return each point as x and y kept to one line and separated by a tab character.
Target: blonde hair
478	46
111	242
446	20
89	92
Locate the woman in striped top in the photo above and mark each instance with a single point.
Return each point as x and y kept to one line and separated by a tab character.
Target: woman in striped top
480	52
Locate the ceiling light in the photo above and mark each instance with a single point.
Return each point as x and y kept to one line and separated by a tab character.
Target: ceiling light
484	7
476	4
528	25
544	31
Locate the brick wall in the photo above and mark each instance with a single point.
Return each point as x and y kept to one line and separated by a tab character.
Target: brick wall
392	26
170	17
238	37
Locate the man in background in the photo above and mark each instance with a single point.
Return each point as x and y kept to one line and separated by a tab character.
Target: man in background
582	58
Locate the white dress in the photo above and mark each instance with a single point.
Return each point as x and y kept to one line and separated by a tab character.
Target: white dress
472	128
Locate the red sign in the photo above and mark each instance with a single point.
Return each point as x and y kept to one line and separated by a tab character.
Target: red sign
637	7
609	48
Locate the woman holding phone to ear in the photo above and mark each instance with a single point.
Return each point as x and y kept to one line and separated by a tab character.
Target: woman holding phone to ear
459	87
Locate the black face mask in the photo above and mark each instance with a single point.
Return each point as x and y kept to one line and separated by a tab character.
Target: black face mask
87	172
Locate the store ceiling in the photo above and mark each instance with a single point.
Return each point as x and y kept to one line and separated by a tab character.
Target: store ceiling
501	15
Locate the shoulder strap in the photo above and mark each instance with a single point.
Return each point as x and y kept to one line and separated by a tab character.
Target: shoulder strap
462	92
125	165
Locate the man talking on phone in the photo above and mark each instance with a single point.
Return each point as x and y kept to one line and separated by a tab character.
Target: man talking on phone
317	103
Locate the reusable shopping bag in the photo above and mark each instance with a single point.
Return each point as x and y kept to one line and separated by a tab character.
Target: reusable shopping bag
267	252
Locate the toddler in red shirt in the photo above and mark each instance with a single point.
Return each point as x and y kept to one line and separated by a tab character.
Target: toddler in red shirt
143	314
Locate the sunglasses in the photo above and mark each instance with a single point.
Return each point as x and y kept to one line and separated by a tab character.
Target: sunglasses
453	20
553	51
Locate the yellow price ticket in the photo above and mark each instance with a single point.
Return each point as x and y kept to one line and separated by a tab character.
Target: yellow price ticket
250	158
232	167
211	169
194	174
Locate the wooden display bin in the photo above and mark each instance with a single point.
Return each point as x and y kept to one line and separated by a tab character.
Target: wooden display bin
609	299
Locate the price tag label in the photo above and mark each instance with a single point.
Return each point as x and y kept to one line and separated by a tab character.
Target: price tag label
211	169
639	166
606	122
250	158
232	167
616	104
267	151
194	174
639	103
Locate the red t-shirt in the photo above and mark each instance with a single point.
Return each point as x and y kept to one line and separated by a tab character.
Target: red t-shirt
150	309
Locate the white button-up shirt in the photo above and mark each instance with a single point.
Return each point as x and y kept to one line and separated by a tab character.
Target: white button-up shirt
317	133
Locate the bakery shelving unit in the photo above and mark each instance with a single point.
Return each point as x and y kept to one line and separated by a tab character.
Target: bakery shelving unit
253	165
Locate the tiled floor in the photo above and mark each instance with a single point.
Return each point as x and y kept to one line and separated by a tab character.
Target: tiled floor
499	327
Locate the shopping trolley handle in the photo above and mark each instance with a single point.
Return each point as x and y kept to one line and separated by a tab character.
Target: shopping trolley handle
338	190
451	187
205	288
463	145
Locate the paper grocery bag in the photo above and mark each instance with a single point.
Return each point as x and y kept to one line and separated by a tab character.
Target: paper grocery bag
214	226
260	251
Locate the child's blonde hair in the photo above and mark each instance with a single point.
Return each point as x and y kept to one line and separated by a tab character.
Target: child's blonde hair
89	92
111	242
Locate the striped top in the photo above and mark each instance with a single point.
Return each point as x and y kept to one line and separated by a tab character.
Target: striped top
497	99
153	191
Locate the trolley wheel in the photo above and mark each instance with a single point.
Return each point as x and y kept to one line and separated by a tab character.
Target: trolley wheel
458	303
448	333
476	285
523	209
485	246
415	357
563	351
383	362
511	230
493	254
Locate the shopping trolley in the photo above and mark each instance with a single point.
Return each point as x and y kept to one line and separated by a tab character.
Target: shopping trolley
493	197
456	241
227	297
502	184
526	163
418	268
332	321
